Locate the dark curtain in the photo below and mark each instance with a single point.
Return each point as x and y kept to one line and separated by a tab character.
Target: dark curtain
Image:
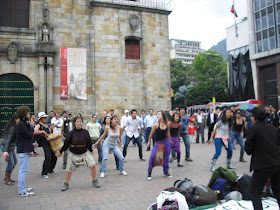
240	77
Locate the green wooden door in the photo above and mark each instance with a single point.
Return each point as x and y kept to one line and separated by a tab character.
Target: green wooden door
15	90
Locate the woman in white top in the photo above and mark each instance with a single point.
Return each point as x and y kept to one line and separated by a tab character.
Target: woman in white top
114	133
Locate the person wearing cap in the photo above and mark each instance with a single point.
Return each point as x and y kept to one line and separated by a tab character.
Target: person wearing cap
42	132
67	126
123	122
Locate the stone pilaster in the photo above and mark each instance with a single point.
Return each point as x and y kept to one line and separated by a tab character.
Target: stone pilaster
50	85
42	86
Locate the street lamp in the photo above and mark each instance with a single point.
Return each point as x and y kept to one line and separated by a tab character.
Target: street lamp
213	82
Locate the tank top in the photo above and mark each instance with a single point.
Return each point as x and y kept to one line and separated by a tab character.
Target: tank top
112	138
237	127
161	134
174	131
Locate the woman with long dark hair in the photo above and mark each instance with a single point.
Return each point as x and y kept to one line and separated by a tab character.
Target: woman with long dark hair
114	133
174	126
263	143
221	133
8	148
161	150
274	117
236	130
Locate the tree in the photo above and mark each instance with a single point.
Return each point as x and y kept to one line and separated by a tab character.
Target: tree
201	74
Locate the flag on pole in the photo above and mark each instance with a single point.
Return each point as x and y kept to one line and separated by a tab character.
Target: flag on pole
233	10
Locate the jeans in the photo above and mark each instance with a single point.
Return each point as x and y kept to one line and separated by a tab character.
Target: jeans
187	142
259	180
236	136
23	171
218	146
137	141
123	137
12	160
105	150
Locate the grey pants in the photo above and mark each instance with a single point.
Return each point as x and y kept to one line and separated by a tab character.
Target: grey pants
201	132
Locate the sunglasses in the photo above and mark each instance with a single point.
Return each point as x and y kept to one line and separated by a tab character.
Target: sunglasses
238	113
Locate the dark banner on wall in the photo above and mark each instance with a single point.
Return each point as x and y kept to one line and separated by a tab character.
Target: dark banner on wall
240	77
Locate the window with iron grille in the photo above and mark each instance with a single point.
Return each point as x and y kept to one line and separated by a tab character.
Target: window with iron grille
132	49
14	13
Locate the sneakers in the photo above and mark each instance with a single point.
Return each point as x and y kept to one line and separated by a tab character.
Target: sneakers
143	159
124	173
27	194
64	166
95	183
149	176
172	159
189	159
45	176
29	189
102	175
65	186
168	175
179	165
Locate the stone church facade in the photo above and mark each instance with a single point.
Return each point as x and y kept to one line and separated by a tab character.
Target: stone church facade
30	47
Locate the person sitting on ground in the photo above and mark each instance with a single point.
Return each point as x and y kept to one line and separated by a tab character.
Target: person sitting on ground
79	143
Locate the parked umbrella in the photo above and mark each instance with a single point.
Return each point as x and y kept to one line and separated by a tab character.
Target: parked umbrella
247	106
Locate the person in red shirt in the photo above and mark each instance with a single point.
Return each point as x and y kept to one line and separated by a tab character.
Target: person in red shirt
191	131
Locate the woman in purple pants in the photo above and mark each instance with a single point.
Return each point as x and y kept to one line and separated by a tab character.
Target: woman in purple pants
161	150
174	127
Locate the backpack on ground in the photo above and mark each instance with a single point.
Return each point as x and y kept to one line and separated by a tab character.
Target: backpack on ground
204	195
189	196
244	185
222	187
186	184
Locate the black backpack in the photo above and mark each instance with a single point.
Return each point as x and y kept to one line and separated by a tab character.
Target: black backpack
244	185
204	195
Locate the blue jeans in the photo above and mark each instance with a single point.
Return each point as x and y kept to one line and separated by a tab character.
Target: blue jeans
187	142
218	146
12	160
23	171
123	137
105	150
236	136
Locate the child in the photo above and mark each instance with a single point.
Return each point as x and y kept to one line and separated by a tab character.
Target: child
191	132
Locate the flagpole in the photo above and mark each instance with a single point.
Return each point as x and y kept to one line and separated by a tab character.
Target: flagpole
234	14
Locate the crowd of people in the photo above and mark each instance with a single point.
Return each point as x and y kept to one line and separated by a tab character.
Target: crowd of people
161	132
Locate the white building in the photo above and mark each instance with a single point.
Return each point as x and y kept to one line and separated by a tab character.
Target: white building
184	50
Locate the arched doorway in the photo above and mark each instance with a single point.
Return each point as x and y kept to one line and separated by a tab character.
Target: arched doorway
15	90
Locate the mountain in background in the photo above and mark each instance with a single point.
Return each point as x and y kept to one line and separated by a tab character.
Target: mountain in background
221	47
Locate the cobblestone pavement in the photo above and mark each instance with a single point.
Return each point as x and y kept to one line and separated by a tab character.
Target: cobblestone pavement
133	191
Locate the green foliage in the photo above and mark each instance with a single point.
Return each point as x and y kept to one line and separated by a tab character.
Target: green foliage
178	74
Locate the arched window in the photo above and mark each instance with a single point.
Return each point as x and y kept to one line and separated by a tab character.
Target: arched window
14	13
132	49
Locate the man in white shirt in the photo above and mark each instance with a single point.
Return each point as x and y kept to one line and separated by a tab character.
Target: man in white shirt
132	132
57	122
123	122
149	121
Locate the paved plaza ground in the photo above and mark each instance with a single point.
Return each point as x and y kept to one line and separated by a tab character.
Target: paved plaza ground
133	191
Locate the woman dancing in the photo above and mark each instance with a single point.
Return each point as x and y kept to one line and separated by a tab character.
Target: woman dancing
114	133
174	126
161	150
221	133
8	148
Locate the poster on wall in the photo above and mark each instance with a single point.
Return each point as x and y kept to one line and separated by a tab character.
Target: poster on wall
75	73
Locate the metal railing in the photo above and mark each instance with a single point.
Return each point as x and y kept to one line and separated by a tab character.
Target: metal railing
154	4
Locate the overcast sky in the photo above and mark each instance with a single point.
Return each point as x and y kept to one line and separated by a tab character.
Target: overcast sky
203	20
